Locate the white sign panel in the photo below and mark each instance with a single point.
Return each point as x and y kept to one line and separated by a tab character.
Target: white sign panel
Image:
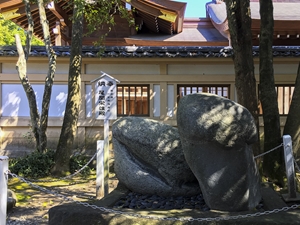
106	98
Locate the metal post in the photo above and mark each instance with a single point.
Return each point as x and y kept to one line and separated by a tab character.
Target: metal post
100	170
3	188
290	170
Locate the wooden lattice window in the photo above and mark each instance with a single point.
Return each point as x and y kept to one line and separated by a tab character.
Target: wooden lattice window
221	90
284	98
133	100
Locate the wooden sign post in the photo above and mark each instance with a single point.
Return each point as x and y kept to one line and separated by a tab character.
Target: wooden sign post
105	109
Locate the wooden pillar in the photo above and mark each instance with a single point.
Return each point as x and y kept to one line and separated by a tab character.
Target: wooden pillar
57	33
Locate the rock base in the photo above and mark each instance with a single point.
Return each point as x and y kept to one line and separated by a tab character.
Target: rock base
78	214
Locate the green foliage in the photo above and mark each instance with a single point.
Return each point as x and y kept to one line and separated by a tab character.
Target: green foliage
29	137
77	162
8	31
35	165
38	165
101	13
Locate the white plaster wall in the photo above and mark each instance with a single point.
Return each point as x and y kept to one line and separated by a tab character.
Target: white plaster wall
171	101
35	68
15	103
88	101
201	69
123	69
156	100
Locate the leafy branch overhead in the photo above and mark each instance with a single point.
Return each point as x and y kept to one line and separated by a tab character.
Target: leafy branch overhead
100	15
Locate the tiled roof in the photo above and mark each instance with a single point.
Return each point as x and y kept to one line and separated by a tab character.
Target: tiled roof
152	52
158	16
283	10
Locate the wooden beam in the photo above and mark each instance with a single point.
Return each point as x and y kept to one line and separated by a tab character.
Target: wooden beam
59	13
57	33
10	2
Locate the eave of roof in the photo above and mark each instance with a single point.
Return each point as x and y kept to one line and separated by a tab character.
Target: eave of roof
286	11
161	16
55	11
151	52
286	21
166	16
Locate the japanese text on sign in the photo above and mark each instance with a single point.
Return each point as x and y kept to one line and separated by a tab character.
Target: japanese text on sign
106	98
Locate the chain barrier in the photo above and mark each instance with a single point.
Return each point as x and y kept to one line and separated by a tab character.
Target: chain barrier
118	212
297	167
66	177
296	164
271	150
74	174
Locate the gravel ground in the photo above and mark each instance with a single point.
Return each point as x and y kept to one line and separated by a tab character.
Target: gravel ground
25	221
138	201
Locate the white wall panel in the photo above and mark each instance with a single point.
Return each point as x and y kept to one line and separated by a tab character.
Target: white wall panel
88	101
156	100
15	103
281	69
285	69
171	101
193	69
127	69
35	68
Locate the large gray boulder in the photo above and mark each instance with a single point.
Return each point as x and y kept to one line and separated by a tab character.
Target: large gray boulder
216	134
149	158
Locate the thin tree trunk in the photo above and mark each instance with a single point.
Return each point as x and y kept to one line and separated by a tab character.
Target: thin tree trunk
273	163
49	78
292	125
39	123
30	28
22	71
239	21
69	128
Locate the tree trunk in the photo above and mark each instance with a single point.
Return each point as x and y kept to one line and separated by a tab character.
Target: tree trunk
273	162
22	71
30	28
39	123
292	125
239	21
49	78
69	128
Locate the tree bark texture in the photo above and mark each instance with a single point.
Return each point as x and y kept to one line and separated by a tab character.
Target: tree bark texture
49	78
273	164
22	71
39	123
292	125
69	128
239	21
30	29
